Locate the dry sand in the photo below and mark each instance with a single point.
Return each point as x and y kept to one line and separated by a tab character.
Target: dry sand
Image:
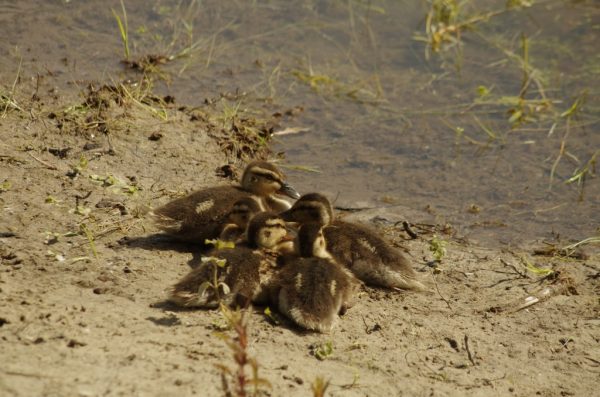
89	319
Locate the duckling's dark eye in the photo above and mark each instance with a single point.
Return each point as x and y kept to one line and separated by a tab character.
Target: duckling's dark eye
254	179
267	234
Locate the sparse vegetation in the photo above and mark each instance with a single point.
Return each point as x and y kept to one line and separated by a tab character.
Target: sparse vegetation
123	29
78	261
237	381
7	99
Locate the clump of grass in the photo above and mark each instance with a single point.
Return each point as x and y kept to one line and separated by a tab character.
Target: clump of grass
141	95
180	44
319	386
7	100
570	249
242	380
242	134
368	90
98	112
526	110
447	20
581	173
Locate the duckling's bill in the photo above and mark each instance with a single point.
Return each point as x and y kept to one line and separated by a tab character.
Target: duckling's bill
288	190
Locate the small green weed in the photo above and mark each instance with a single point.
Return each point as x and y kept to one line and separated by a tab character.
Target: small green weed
123	29
437	246
236	381
215	285
322	351
5	186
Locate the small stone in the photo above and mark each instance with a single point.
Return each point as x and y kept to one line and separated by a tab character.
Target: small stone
73	343
155	136
91	146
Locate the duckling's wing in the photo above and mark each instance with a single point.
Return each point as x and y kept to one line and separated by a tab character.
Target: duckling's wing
339	245
243	278
199	215
375	261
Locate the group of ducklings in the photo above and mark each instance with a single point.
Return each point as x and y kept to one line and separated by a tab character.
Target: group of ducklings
309	278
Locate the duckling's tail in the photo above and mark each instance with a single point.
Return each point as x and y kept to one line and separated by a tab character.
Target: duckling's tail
400	279
304	318
165	223
190	299
403	283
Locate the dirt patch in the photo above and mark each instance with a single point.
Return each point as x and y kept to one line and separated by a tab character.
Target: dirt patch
83	278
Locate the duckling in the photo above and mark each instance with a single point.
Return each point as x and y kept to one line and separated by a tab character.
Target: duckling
311	289
237	220
248	267
359	248
202	214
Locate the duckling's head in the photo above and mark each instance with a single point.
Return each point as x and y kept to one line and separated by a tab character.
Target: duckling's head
243	210
266	230
310	208
310	241
264	179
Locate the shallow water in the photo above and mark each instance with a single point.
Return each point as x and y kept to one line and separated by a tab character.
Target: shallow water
382	117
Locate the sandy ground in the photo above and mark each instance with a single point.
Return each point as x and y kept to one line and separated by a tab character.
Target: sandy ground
83	279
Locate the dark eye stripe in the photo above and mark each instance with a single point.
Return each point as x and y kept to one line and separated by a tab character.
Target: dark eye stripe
265	173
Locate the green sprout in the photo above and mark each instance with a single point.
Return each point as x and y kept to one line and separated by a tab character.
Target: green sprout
269	315
437	247
5	186
215	285
323	350
123	29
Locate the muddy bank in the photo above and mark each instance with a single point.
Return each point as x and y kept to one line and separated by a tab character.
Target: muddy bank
83	280
87	145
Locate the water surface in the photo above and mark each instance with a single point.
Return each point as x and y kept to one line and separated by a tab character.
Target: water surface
387	123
